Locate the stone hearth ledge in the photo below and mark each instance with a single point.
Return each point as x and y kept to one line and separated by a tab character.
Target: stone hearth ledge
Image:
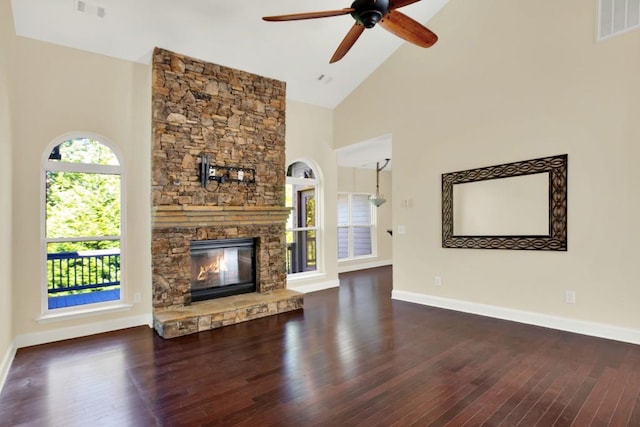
215	313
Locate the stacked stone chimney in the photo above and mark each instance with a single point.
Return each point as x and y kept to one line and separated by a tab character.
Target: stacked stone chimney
238	120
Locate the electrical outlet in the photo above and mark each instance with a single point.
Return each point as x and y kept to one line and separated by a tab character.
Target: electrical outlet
437	281
137	297
570	297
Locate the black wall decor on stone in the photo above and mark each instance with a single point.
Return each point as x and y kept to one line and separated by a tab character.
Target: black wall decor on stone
554	240
222	174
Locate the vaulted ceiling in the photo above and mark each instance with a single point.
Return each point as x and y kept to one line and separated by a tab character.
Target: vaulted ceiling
229	33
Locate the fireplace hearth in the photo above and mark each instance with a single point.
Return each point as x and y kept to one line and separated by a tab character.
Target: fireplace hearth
222	267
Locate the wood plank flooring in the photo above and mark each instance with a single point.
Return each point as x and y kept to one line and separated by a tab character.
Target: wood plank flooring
353	357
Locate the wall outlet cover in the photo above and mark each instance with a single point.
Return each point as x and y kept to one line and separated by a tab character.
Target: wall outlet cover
570	297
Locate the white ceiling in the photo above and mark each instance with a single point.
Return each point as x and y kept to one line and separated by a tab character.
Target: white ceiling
366	154
229	33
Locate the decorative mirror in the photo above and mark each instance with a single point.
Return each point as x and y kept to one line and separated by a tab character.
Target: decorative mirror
520	205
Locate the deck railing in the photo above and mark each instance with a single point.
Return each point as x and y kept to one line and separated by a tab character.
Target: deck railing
77	271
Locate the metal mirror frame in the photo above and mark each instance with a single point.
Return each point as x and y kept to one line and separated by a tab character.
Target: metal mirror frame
556	240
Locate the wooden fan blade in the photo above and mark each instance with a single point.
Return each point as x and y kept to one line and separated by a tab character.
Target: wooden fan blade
309	15
397	4
348	41
406	28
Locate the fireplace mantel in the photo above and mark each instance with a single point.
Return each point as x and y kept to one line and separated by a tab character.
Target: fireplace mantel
212	216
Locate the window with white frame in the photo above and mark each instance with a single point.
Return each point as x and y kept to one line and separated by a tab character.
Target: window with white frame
302	233
356	226
617	17
82	224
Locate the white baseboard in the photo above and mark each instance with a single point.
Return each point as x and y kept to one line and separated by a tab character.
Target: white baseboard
316	286
594	329
36	338
6	364
363	266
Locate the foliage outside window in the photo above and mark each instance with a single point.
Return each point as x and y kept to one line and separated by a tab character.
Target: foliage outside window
302	225
82	224
356	226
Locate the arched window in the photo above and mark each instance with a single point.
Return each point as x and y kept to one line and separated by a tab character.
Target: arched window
303	224
82	223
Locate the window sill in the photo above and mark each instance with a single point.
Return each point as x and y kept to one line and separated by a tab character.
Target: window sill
299	277
360	258
77	313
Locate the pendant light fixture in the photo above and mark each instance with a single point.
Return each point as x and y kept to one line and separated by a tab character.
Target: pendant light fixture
379	199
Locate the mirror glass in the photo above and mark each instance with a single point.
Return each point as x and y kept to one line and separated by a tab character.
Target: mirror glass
513	206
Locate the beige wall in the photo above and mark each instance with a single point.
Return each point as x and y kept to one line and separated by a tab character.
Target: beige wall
507	81
309	138
358	180
58	90
6	332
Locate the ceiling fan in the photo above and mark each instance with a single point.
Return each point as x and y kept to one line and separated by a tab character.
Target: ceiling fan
367	14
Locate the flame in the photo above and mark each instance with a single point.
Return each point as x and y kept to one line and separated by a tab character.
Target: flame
217	266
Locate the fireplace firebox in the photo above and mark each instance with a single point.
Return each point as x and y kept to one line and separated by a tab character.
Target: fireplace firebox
221	268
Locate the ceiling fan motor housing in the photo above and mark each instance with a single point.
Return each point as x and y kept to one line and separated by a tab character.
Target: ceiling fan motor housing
369	12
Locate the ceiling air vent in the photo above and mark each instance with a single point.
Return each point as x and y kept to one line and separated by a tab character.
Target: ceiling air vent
324	79
617	16
81	6
90	9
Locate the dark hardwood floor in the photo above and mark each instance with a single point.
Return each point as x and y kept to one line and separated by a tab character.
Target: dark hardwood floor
353	357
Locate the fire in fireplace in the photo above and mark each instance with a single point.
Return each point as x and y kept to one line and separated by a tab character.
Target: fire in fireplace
221	268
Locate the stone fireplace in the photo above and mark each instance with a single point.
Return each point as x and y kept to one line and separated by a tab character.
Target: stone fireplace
236	119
